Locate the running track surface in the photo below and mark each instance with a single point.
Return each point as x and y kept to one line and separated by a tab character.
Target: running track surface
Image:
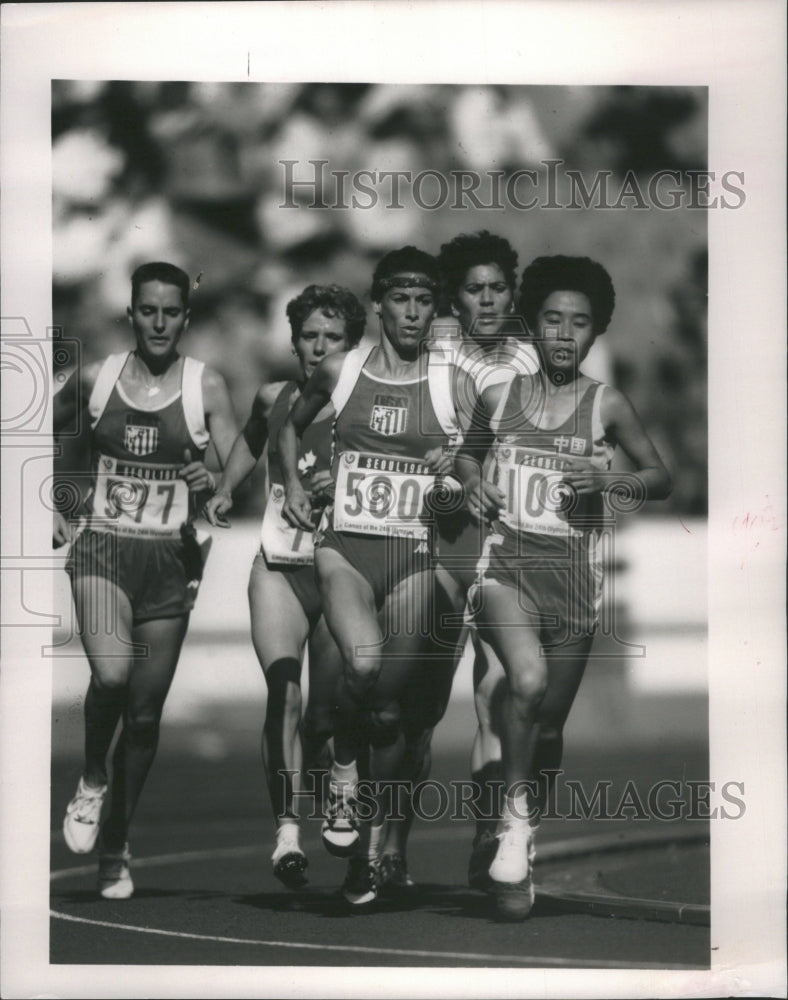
205	895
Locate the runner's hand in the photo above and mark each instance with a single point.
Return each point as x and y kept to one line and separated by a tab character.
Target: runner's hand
585	481
484	500
323	487
198	478
439	460
297	508
62	531
216	509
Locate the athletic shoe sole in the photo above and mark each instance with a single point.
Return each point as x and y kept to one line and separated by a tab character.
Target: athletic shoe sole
340	843
290	869
514	901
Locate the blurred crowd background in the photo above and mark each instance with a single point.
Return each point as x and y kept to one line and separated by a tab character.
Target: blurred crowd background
191	173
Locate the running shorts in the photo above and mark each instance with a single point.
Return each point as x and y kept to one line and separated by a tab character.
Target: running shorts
382	561
160	577
559	582
459	545
302	582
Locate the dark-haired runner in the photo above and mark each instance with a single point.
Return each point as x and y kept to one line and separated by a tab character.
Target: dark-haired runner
548	491
394	422
136	566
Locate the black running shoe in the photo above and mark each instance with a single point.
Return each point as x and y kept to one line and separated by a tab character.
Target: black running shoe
360	887
394	875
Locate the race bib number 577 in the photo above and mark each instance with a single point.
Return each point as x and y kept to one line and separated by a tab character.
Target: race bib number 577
382	495
140	499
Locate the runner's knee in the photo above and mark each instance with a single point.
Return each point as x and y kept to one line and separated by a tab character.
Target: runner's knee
110	681
384	725
527	688
361	673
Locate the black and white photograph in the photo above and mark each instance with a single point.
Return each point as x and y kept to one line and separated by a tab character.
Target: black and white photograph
394	506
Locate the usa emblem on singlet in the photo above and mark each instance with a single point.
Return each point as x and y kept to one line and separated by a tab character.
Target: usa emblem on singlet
141	439
389	415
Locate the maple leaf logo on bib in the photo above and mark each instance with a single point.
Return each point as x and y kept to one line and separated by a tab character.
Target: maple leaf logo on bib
307	462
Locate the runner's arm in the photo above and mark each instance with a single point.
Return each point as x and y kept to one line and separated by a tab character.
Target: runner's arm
483	499
244	455
69	405
315	395
624	428
220	420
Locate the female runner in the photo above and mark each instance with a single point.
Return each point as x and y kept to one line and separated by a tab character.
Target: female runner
136	567
393	423
284	603
478	274
551	495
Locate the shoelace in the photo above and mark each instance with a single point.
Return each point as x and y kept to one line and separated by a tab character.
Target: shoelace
87	806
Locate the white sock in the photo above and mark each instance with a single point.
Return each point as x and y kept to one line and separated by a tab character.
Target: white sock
288	831
515	809
344	773
375	840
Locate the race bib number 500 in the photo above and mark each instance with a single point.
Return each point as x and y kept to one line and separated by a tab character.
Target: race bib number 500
537	499
382	495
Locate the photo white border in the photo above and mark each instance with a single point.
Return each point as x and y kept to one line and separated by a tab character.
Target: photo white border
738	51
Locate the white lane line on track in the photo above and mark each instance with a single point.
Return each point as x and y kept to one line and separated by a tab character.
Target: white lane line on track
530	960
180	857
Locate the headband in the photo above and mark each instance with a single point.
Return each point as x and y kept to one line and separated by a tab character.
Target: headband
407	280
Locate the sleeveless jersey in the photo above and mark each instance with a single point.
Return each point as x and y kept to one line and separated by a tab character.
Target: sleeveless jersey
382	431
281	543
137	453
530	462
460	537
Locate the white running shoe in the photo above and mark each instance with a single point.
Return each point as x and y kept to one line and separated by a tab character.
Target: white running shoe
511	871
288	860
114	878
514	857
340	826
81	822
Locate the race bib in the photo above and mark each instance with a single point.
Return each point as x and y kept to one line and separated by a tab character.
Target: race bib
537	499
139	499
281	543
382	495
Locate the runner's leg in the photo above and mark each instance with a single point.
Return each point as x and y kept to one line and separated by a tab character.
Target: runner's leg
105	622
325	671
565	668
351	616
150	680
279	632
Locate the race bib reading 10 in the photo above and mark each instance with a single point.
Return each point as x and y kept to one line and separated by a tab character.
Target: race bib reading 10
382	495
281	543
537	499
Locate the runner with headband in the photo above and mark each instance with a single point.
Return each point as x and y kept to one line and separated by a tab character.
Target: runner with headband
393	427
